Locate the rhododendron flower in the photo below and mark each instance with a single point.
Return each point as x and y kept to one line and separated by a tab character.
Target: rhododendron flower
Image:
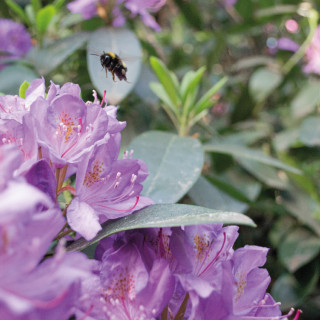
90	8
128	288
68	128
15	41
106	188
29	221
312	55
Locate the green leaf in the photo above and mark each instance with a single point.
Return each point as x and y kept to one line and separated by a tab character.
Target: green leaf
285	139
58	3
11	77
302	206
263	82
174	164
36	5
30	13
158	89
310	131
292	290
43	18
307	99
265	174
47	59
23	88
206	100
250	154
298	248
18	10
203	193
164	215
166	80
188	88
191	12
126	44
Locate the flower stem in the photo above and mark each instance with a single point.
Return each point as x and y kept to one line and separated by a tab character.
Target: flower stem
313	21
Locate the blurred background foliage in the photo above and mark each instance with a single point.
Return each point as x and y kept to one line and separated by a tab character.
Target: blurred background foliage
258	128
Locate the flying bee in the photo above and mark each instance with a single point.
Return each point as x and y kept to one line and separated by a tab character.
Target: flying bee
112	62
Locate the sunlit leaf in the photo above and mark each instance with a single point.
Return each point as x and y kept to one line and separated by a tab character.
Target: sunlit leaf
122	42
165	215
43	18
174	164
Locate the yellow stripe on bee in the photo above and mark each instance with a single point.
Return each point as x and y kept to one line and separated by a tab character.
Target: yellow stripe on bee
123	64
111	54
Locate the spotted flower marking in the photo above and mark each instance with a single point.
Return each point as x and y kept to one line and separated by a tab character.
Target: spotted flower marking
240	283
68	126
94	176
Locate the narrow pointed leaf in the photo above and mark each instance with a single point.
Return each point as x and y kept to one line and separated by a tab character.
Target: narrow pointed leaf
44	17
246	153
166	80
165	215
206	100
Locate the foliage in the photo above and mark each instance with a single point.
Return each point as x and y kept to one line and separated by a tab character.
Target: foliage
229	120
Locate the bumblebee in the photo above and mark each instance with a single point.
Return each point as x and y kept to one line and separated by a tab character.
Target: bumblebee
111	62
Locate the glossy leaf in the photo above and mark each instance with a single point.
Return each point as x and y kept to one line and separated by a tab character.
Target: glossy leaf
165	215
43	18
250	154
263	82
298	248
310	131
174	164
122	42
48	58
12	76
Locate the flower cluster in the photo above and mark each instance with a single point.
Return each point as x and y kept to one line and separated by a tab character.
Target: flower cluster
103	8
15	41
190	273
47	139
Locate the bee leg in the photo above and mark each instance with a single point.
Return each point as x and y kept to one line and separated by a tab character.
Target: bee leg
106	73
113	76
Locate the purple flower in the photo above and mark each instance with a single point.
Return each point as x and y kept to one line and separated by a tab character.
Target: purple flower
229	3
10	160
312	55
142	8
29	221
90	8
287	44
21	135
106	188
68	128
87	8
128	288
15	41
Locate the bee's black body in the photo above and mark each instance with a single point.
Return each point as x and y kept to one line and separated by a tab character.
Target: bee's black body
111	62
